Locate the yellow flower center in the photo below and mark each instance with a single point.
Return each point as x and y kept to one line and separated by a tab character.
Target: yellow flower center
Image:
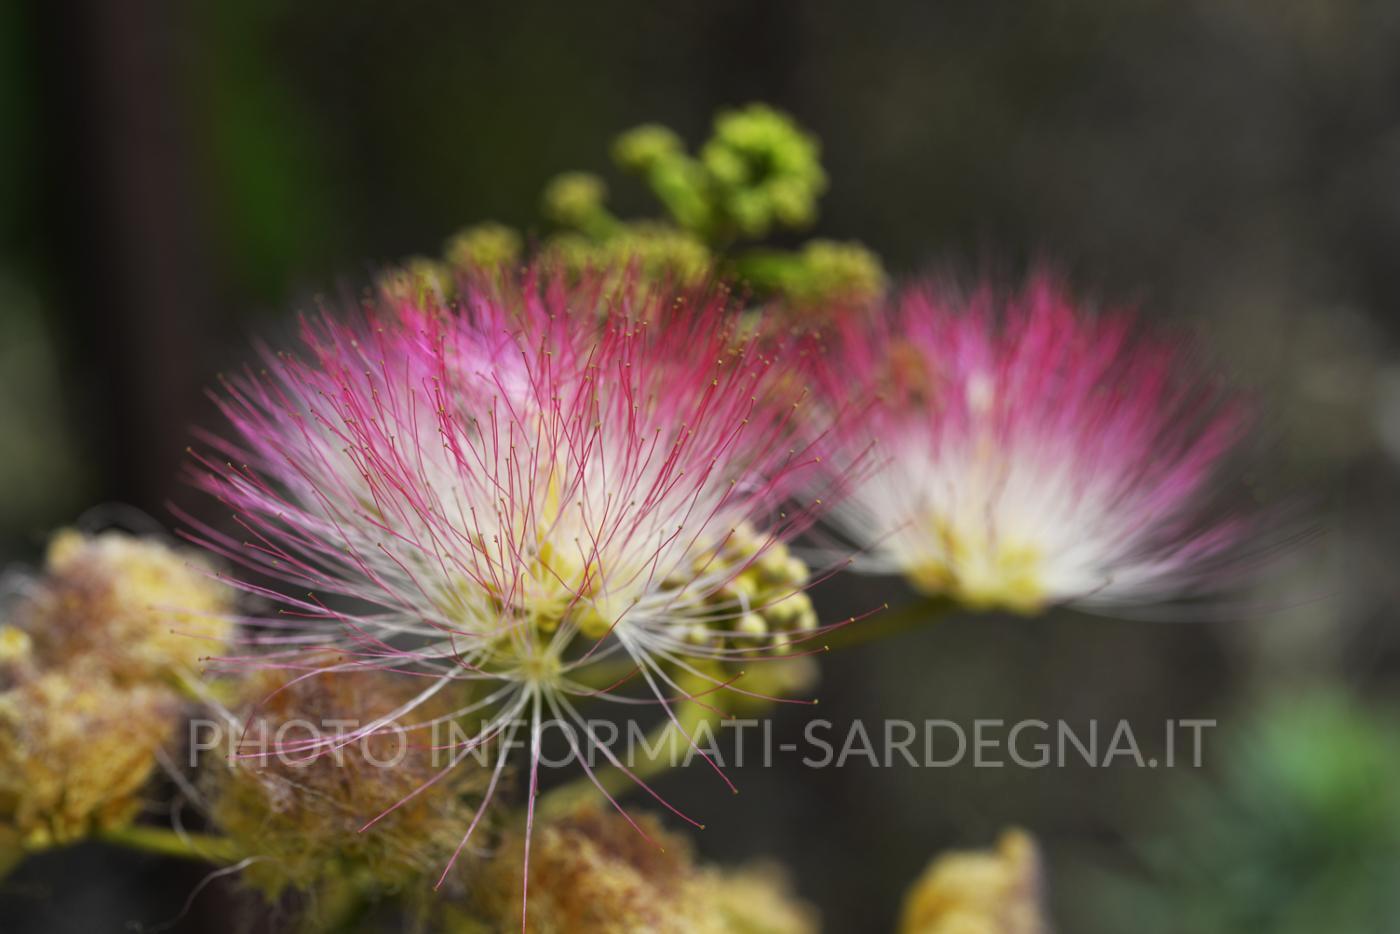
982	572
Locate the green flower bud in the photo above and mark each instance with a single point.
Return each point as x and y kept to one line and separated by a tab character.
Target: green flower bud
683	187
698	634
484	246
572	253
652	251
662	252
575	199
751	624
767	172
641	148
833	271
789	611
417	279
743	587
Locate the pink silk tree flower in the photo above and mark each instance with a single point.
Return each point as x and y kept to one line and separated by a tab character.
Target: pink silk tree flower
1028	452
498	497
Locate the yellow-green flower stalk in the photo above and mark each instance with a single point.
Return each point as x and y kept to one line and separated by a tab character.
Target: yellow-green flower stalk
759	173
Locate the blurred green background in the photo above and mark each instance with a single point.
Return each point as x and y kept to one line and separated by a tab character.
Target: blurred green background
176	178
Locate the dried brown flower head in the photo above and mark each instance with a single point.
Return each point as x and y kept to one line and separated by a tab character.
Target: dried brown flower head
303	813
594	873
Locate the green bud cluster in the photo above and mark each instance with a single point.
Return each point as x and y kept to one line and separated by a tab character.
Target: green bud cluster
417	279
765	171
763	606
759	173
654	251
823	271
484	246
575	200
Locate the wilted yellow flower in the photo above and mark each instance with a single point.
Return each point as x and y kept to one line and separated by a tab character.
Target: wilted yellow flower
979	892
75	749
302	812
135	608
86	665
16	651
593	873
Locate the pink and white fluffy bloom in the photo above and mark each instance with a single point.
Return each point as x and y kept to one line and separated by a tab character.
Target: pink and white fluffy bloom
1028	452
500	494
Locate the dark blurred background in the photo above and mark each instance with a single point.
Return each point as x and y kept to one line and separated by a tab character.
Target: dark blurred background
176	178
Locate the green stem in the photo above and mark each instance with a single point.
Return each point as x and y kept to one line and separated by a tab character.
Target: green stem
690	714
166	842
10	857
767	269
600	676
887	623
656	757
